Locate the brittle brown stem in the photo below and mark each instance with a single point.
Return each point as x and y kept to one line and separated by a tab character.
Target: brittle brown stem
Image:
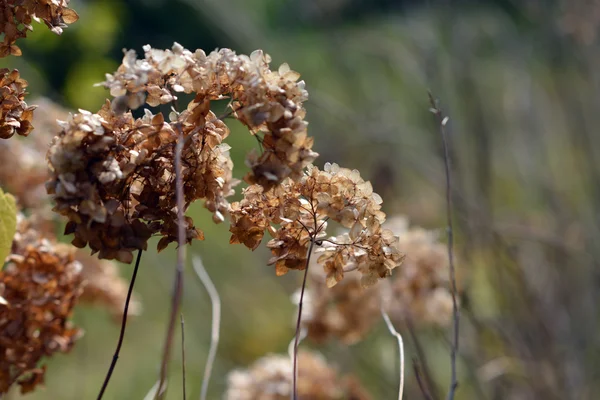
298	321
177	294
442	121
123	326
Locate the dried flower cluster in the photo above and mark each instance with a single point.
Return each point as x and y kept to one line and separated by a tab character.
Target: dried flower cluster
15	114
419	291
301	209
29	170
16	17
270	378
104	286
39	286
113	176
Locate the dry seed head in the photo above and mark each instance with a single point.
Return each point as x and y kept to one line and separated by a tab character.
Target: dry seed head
16	17
39	286
300	210
270	378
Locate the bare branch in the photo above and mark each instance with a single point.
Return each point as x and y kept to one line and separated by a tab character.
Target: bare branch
123	326
395	333
442	121
215	323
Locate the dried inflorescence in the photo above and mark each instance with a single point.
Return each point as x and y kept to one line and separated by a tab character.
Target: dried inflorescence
113	175
39	286
347	312
15	114
419	291
102	285
301	210
16	17
268	102
29	170
270	378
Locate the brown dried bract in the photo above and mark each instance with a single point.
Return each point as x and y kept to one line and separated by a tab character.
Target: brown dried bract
39	286
301	210
270	378
16	17
15	114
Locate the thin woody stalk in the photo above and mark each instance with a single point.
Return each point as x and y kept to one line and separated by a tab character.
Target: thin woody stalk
442	121
123	327
177	293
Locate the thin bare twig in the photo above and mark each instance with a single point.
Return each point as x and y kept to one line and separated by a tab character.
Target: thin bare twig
298	322
443	120
215	324
177	293
123	326
424	369
398	336
422	387
183	353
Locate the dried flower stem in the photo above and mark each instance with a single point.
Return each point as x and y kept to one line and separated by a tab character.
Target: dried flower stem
123	326
177	294
298	326
424	370
398	336
443	120
422	387
183	353
215	323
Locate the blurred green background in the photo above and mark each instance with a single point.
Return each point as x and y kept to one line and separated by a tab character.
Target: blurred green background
520	81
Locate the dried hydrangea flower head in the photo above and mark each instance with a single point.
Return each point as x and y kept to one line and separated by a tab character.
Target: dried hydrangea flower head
102	285
113	175
27	157
39	286
268	102
347	311
15	114
270	378
421	290
16	17
301	210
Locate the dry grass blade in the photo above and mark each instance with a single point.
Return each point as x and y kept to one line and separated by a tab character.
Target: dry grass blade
153	392
442	121
215	324
395	333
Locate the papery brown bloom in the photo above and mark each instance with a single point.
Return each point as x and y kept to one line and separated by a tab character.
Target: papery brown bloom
418	291
113	176
270	378
29	170
39	286
16	17
421	290
102	285
302	208
15	114
268	102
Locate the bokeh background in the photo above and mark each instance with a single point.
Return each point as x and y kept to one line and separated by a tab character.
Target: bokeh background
520	82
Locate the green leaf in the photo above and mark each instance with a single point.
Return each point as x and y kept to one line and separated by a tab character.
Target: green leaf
8	224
